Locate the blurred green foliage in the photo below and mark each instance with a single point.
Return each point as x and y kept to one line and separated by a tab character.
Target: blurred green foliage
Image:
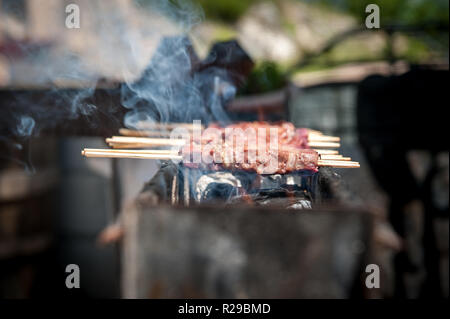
392	11
228	11
419	47
417	51
396	11
265	77
268	76
225	10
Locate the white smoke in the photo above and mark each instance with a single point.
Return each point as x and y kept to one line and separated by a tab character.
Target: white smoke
117	40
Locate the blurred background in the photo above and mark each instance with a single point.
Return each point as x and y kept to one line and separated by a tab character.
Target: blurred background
316	64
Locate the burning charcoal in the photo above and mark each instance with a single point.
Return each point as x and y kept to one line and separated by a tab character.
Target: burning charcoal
218	191
298	191
301	204
216	185
280	198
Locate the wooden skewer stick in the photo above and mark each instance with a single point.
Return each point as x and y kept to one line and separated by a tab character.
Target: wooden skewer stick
310	131
324	144
127	146
335	157
131	155
107	150
142	142
146	133
146	146
181	142
168	126
323	138
313	137
121	145
150	154
326	152
176	152
146	141
339	164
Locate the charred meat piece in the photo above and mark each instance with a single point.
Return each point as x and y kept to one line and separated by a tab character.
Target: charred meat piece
252	159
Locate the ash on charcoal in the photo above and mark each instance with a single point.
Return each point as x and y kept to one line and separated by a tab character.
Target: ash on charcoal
218	185
296	199
295	191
